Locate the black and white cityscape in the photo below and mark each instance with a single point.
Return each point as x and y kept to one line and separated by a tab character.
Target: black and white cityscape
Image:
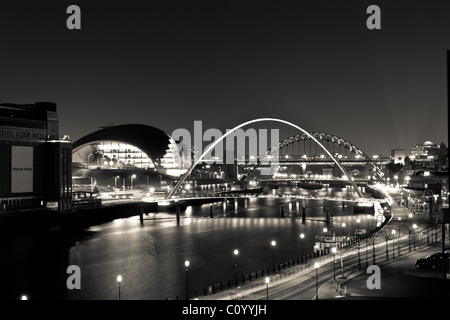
224	150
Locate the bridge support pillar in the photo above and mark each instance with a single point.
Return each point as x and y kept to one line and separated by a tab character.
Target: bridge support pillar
303	214
297	206
281	211
210	211
324	205
178	214
290	207
141	215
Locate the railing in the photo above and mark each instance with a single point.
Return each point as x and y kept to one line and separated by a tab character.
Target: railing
302	263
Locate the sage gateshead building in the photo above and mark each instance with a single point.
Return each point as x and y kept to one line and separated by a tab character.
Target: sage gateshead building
35	167
129	156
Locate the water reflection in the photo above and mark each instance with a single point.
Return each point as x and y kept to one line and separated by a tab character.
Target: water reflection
150	256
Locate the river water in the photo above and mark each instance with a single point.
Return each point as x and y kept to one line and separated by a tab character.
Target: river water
150	256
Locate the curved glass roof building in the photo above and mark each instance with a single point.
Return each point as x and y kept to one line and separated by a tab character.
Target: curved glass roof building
130	146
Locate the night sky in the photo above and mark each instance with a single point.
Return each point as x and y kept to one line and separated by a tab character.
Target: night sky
167	63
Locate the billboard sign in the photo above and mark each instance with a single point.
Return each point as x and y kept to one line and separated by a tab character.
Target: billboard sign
21	169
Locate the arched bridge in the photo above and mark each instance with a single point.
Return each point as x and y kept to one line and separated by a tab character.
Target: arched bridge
304	132
304	149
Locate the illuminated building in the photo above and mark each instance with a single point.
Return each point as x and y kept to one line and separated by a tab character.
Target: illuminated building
425	149
398	156
431	155
125	155
35	163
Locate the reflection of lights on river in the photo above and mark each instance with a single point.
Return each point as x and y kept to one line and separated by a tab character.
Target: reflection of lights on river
118	222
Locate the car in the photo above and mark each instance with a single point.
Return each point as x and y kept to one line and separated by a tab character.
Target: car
432	261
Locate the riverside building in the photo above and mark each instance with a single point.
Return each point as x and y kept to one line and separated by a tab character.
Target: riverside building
35	163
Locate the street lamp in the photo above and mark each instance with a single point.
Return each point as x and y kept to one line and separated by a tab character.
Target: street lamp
316	266
358	233
186	264
414	239
132	178
393	243
302	236
119	280
334	262
343	227
236	252
273	243
267	280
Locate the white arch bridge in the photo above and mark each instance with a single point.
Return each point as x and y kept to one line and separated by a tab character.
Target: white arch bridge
317	138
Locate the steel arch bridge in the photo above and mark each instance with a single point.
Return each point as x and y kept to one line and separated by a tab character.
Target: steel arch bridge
211	146
320	136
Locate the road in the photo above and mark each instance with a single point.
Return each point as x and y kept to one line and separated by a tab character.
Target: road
399	277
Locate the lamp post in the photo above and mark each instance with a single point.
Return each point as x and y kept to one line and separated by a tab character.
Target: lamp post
343	228
393	243
366	241
414	239
267	280
236	252
273	243
334	262
409	231
316	266
132	178
119	280
302	236
186	264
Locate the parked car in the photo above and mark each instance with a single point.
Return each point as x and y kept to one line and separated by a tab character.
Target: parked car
433	261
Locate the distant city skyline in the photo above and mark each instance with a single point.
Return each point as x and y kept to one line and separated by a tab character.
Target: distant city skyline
169	63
